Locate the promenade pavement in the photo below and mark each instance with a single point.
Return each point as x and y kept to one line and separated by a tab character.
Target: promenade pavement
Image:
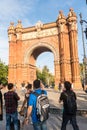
55	118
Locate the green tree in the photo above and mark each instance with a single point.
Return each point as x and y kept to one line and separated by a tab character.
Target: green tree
81	71
46	77
3	72
39	74
45	73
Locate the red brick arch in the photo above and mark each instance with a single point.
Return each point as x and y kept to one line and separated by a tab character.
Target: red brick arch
40	47
60	38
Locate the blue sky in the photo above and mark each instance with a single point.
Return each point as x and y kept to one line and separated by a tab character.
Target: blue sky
31	11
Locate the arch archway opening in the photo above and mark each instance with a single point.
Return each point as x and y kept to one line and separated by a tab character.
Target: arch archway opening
46	59
39	58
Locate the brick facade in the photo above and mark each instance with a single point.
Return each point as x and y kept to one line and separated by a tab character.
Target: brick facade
60	38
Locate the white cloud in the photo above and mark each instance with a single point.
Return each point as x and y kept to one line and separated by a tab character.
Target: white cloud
27	23
4	50
13	8
30	10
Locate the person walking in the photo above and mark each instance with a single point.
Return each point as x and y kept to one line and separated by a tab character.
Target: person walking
11	103
23	87
69	106
29	90
1	103
32	110
60	87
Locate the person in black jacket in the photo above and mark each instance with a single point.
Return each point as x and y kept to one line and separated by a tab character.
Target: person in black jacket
69	106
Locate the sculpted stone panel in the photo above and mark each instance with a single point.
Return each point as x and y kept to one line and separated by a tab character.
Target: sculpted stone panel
39	34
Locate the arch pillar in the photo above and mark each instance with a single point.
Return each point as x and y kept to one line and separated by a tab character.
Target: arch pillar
72	22
26	44
64	48
12	46
57	73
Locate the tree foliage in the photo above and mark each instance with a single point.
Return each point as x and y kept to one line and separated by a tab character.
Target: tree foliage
81	71
45	76
3	73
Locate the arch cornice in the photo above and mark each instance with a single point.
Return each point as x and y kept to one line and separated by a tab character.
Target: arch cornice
30	50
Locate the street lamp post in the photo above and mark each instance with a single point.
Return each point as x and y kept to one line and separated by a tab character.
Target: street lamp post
84	58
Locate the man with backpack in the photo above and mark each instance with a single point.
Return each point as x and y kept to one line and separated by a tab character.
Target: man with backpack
38	106
69	106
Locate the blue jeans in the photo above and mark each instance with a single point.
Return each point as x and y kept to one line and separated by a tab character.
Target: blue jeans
40	126
14	118
72	119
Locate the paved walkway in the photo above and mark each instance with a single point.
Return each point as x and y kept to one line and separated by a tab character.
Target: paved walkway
54	121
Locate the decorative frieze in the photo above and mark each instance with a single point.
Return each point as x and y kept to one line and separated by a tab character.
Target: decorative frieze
40	33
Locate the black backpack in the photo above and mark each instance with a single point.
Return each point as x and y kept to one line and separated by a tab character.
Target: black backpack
71	105
42	106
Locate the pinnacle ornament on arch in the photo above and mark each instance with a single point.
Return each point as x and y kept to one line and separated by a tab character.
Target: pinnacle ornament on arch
61	15
61	18
71	13
39	25
19	26
72	16
11	28
72	20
